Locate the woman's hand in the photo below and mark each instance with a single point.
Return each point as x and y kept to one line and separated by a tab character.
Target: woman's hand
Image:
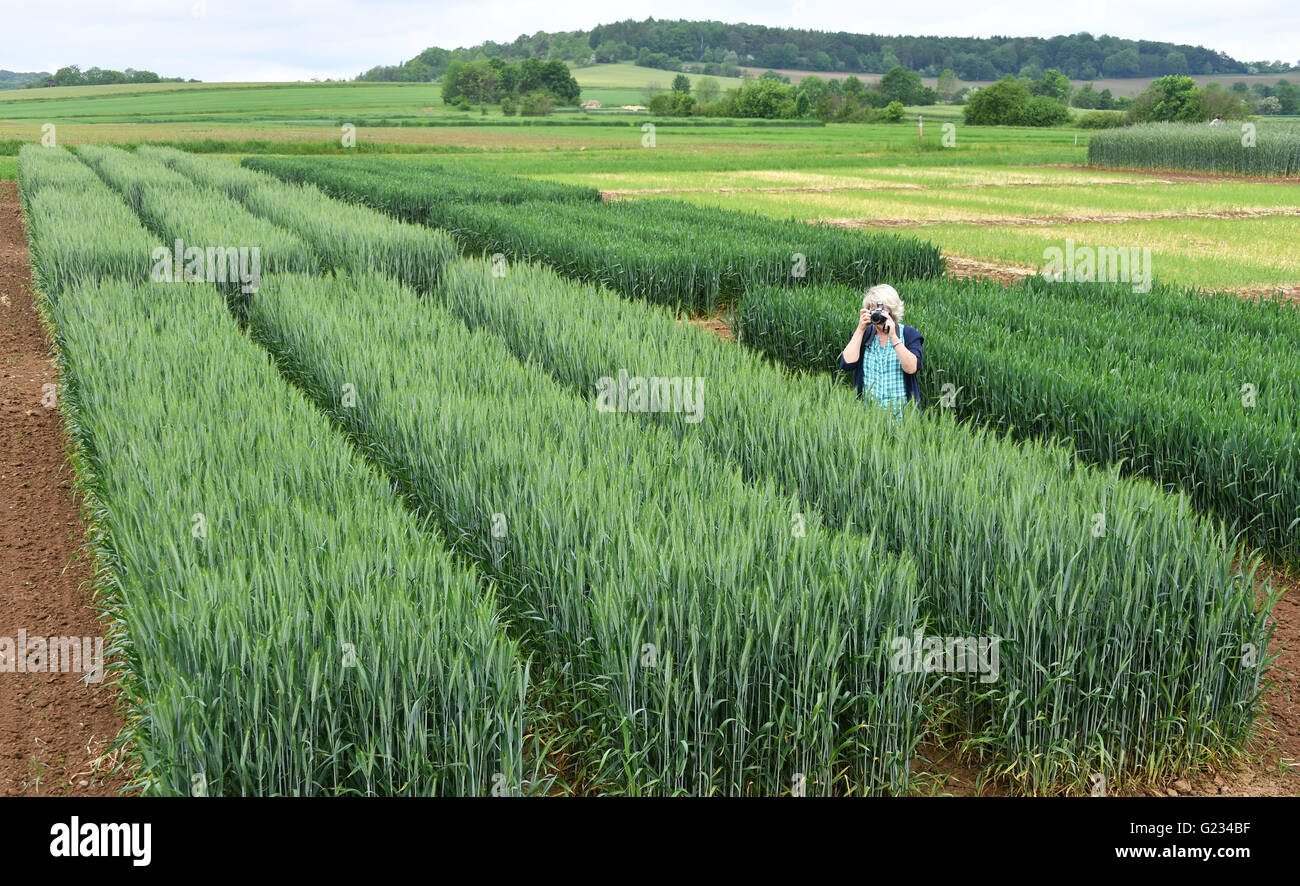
864	320
889	327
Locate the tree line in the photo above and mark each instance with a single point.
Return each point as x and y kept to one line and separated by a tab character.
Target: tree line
720	49
531	87
72	75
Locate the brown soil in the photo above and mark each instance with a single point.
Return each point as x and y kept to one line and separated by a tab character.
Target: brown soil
55	731
717	325
965	268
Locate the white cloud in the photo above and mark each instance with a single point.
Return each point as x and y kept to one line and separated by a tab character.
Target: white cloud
257	40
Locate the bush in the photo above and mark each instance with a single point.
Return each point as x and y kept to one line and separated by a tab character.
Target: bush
508	107
1269	105
672	104
1000	104
1009	103
535	104
1101	120
1042	110
765	98
893	112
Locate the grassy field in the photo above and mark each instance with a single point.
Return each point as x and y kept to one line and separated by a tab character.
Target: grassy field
1001	195
232	102
66	92
626	84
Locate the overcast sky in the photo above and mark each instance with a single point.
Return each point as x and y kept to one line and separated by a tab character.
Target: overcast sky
300	39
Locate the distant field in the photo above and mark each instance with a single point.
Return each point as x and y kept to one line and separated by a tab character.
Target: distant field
635	76
285	103
62	92
1215	253
999	195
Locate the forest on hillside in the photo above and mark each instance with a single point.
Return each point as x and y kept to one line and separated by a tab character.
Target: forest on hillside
719	48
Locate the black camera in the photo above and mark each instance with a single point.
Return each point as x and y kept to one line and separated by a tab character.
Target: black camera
878	315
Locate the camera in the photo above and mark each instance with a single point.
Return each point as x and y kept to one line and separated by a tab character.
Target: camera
879	315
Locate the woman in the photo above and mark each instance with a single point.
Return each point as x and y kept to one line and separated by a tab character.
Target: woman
886	364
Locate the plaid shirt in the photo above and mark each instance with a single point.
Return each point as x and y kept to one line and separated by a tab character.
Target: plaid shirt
882	376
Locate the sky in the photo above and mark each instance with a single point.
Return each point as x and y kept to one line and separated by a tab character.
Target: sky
250	40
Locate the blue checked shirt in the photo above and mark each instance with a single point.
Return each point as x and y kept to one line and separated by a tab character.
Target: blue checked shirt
882	376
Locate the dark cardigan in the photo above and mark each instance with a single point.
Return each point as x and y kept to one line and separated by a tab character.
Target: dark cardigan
912	341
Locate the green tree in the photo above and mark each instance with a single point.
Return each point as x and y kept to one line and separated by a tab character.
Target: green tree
765	98
1043	110
1001	104
706	90
451	82
1171	98
948	85
1053	84
1268	106
1288	94
681	83
812	86
535	104
1124	63
552	77
69	76
901	85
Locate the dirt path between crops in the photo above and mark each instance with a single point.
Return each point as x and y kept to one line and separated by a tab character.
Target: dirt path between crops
55	731
1179	175
621	193
963	267
1045	220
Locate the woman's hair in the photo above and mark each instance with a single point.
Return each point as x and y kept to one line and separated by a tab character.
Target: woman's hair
886	295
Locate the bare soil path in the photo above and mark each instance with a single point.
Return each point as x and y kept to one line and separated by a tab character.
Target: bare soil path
55	730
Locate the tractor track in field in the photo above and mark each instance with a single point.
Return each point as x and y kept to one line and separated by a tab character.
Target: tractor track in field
56	731
621	193
1172	176
966	268
1038	221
